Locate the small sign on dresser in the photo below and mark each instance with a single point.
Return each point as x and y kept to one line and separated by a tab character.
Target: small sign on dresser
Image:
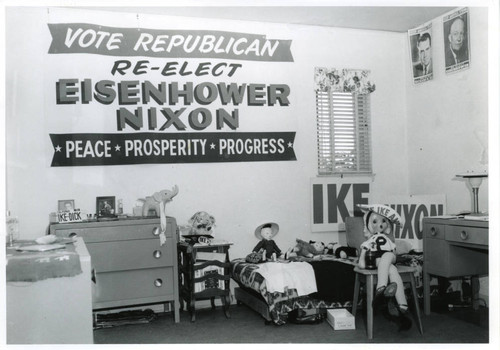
65	216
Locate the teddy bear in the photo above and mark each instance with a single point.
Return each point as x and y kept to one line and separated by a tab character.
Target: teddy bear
305	249
200	228
202	223
379	251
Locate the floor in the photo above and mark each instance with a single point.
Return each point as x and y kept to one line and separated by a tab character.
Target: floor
246	326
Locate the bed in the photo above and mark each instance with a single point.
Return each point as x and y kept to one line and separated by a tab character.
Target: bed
334	278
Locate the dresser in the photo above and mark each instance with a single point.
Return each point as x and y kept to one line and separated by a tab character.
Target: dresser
203	275
129	266
454	248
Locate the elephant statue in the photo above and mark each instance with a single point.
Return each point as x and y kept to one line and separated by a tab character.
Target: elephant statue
158	201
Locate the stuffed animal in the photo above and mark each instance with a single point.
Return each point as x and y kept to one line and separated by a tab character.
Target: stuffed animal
379	220
202	223
156	203
305	249
267	247
340	251
199	229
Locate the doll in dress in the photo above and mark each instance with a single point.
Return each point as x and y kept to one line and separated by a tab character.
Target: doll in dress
267	246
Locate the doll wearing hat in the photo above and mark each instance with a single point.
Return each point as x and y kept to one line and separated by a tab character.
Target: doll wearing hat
378	229
267	245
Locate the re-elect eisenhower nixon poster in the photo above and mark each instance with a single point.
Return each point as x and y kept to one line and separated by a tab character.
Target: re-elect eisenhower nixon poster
128	95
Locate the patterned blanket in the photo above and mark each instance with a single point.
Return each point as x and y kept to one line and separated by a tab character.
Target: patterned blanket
338	286
334	280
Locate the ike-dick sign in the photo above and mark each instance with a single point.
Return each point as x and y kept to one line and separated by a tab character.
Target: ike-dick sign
174	110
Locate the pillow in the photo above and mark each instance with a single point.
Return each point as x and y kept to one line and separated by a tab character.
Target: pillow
402	247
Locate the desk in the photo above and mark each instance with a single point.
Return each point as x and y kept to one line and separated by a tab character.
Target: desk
53	310
454	248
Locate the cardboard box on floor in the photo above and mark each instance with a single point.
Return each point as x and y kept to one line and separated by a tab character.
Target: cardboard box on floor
340	319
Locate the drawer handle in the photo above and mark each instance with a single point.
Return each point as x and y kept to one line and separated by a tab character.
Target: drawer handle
72	235
157	254
464	235
433	231
156	231
158	282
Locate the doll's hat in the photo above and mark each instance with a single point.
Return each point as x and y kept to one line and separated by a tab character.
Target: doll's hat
274	228
384	210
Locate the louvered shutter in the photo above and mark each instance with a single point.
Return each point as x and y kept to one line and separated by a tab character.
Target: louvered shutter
343	131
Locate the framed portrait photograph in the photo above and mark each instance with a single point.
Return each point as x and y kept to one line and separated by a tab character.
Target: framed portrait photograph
456	30
105	206
421	53
66	205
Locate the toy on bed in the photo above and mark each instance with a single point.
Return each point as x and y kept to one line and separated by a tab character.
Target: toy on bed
379	251
340	251
266	249
305	249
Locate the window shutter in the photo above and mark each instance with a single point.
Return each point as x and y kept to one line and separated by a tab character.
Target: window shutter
343	131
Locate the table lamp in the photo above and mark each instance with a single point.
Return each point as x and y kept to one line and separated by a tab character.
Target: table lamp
475	179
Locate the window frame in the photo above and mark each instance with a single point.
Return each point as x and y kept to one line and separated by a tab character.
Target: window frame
344	143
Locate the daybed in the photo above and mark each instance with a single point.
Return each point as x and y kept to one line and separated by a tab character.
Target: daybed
334	283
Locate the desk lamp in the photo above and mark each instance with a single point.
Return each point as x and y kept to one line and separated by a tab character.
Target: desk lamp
475	179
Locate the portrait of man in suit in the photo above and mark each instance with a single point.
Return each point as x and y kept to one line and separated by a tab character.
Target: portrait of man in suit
424	44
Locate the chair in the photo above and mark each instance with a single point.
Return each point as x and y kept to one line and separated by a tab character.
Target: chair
355	236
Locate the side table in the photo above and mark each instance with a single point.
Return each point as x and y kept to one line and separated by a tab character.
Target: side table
203	274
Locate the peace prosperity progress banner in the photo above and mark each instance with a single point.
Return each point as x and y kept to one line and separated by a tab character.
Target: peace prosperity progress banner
147	107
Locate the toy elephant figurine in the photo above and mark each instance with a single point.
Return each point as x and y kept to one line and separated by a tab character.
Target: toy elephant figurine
158	201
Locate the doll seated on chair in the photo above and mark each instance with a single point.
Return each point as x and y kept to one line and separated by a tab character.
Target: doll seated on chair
379	220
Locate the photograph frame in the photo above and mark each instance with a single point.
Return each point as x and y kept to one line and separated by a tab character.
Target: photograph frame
460	60
105	206
61	205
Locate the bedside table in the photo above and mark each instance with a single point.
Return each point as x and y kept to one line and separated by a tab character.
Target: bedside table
203	274
454	248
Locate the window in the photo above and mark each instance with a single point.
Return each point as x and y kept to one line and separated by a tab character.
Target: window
343	128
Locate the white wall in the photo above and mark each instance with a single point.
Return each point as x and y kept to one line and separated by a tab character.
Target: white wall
448	120
240	195
448	124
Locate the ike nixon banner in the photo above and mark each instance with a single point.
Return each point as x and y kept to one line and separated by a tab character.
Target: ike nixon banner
163	122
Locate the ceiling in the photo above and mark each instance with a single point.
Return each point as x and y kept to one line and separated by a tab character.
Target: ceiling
394	19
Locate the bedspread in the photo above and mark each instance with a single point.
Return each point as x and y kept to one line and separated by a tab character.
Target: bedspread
334	282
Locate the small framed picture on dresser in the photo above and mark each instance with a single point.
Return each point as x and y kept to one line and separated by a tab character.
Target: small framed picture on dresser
66	205
105	206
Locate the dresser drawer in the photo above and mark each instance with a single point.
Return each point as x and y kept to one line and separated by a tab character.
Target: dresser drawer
91	233
435	231
470	235
131	255
125	286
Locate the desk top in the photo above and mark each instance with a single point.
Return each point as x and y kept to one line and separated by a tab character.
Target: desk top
457	221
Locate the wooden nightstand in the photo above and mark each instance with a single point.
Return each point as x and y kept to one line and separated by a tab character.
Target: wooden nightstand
203	274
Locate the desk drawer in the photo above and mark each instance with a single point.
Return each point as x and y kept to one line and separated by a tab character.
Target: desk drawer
136	284
131	255
435	231
470	235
